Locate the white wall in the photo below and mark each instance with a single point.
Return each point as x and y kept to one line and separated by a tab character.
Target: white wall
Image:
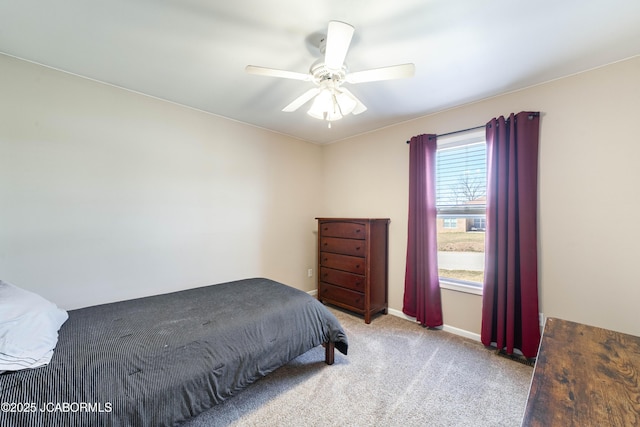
589	195
106	194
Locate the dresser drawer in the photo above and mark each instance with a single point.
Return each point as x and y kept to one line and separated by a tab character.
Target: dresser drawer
342	278
342	295
349	230
343	246
342	262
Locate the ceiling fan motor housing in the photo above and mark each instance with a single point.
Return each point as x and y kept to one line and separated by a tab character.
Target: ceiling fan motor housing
321	73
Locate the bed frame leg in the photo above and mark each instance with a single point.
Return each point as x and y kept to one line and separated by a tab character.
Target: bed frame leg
329	348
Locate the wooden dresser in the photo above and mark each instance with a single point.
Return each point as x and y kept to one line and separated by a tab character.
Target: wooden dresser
353	264
584	376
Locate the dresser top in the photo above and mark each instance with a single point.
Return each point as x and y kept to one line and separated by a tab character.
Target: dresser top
354	219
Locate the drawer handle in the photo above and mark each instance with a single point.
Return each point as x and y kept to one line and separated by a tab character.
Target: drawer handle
357	230
357	248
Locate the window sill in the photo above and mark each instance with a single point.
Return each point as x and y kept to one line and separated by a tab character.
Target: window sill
459	287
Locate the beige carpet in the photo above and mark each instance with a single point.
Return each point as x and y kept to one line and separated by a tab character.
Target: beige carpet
397	373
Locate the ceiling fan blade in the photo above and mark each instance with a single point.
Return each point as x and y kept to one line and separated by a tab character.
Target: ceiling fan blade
272	72
339	36
384	73
360	107
301	100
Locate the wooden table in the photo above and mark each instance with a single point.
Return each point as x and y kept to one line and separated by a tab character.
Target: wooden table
584	376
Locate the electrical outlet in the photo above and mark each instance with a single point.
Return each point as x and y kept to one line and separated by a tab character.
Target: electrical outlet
310	272
541	318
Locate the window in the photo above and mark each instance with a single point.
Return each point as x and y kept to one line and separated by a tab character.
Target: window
479	224
450	222
461	189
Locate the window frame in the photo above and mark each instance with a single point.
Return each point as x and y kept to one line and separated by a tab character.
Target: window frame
455	141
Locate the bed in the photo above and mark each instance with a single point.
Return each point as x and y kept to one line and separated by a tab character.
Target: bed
160	360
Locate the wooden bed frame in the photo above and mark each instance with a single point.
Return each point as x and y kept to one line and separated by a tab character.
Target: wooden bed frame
329	352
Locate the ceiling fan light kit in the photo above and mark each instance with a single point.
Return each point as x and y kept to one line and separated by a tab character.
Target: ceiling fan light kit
331	101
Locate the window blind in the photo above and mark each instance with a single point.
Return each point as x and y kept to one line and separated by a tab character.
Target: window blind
461	180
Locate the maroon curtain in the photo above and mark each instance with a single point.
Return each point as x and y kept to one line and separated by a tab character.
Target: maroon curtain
421	284
510	295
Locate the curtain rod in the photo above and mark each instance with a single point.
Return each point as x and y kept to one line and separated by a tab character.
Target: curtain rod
532	114
457	131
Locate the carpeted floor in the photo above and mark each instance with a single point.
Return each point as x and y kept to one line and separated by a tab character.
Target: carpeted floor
397	373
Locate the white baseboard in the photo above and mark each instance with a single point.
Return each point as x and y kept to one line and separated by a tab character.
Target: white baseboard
446	328
400	314
461	332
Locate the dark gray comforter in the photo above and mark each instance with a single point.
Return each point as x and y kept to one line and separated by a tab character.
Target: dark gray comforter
160	360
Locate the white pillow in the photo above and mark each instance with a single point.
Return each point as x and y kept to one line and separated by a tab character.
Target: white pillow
29	327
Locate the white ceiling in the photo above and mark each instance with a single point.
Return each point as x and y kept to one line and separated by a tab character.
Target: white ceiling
193	52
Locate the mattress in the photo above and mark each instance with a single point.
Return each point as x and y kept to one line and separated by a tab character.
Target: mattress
159	360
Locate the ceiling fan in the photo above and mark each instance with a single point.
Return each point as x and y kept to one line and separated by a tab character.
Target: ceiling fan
332	100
